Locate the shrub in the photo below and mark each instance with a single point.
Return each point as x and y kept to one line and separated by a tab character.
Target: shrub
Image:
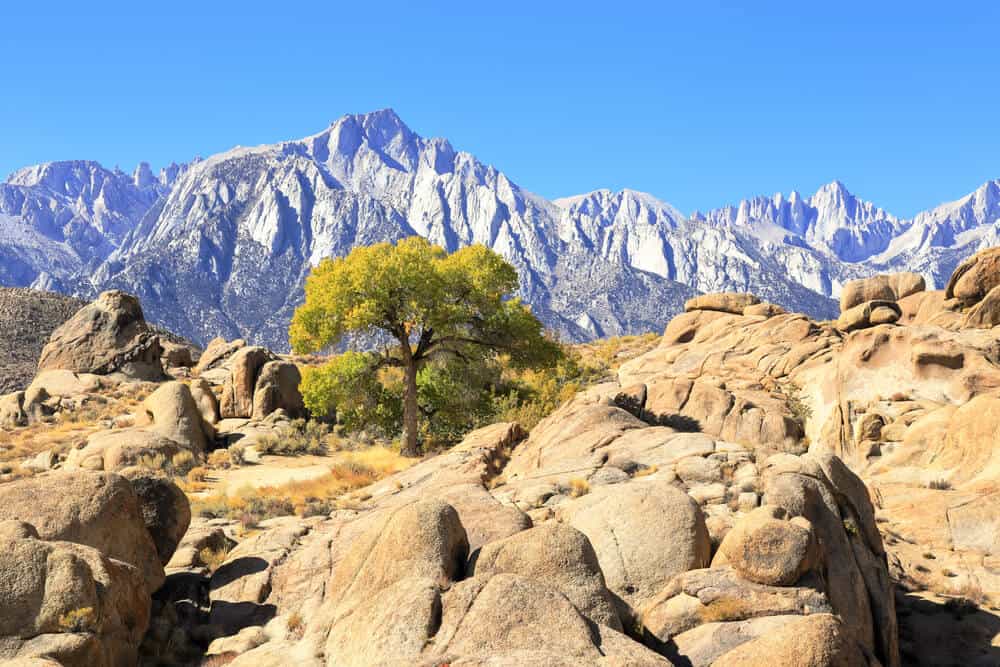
939	484
197	474
182	462
78	620
212	558
301	437
579	487
237	455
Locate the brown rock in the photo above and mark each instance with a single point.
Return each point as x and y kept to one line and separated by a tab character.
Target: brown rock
891	287
560	556
764	548
726	302
973	279
109	335
816	640
99	510
68	602
175	415
986	313
277	388
164	507
643	534
868	314
217	352
238	391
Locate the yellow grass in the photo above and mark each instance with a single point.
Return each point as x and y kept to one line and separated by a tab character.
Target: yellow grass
350	472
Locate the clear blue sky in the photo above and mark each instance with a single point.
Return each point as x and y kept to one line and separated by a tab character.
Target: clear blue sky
699	103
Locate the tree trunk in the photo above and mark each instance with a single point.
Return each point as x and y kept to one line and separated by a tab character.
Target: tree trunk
409	445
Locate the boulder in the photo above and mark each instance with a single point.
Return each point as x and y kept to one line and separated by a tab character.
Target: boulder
720	595
763	310
560	556
238	391
12	412
643	533
409	552
530	623
175	415
891	287
974	278
277	388
177	355
109	335
766	549
165	509
208	404
868	314
116	449
217	352
817	640
99	510
986	313
725	302
68	602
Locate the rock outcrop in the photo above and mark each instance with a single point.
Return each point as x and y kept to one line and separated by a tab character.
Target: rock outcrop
891	287
109	335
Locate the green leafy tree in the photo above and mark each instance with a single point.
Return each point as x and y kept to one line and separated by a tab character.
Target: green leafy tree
432	306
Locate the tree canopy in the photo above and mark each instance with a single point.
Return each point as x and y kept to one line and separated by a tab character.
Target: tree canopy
424	305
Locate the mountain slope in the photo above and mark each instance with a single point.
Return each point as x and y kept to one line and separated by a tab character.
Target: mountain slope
222	246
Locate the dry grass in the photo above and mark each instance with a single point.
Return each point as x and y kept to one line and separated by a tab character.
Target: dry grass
212	558
579	487
78	620
350	472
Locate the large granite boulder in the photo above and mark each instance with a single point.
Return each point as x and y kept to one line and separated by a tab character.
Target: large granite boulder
109	335
67	602
98	510
891	287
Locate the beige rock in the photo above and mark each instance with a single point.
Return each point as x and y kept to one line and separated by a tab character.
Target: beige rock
816	640
99	510
164	507
560	556
109	335
891	287
12	413
868	314
238	391
204	397
177	355
643	534
175	415
507	612
726	302
217	352
392	626
68	602
277	388
117	449
720	595
763	310
986	313
973	279
764	548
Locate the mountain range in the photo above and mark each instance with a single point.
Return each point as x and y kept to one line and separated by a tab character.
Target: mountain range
221	246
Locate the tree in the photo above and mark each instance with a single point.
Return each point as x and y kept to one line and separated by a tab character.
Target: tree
430	305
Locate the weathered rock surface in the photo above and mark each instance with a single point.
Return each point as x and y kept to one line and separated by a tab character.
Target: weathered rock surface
277	388
725	302
67	602
891	287
98	510
109	335
237	393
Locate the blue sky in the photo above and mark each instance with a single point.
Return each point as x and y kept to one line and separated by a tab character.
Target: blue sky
700	104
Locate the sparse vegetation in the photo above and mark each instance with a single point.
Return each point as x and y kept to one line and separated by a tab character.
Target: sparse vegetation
578	487
302	437
212	558
351	471
939	484
83	619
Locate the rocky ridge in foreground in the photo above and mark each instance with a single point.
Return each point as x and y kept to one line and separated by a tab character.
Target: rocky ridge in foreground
759	489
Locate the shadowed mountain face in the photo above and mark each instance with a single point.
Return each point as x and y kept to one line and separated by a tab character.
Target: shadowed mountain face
221	246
